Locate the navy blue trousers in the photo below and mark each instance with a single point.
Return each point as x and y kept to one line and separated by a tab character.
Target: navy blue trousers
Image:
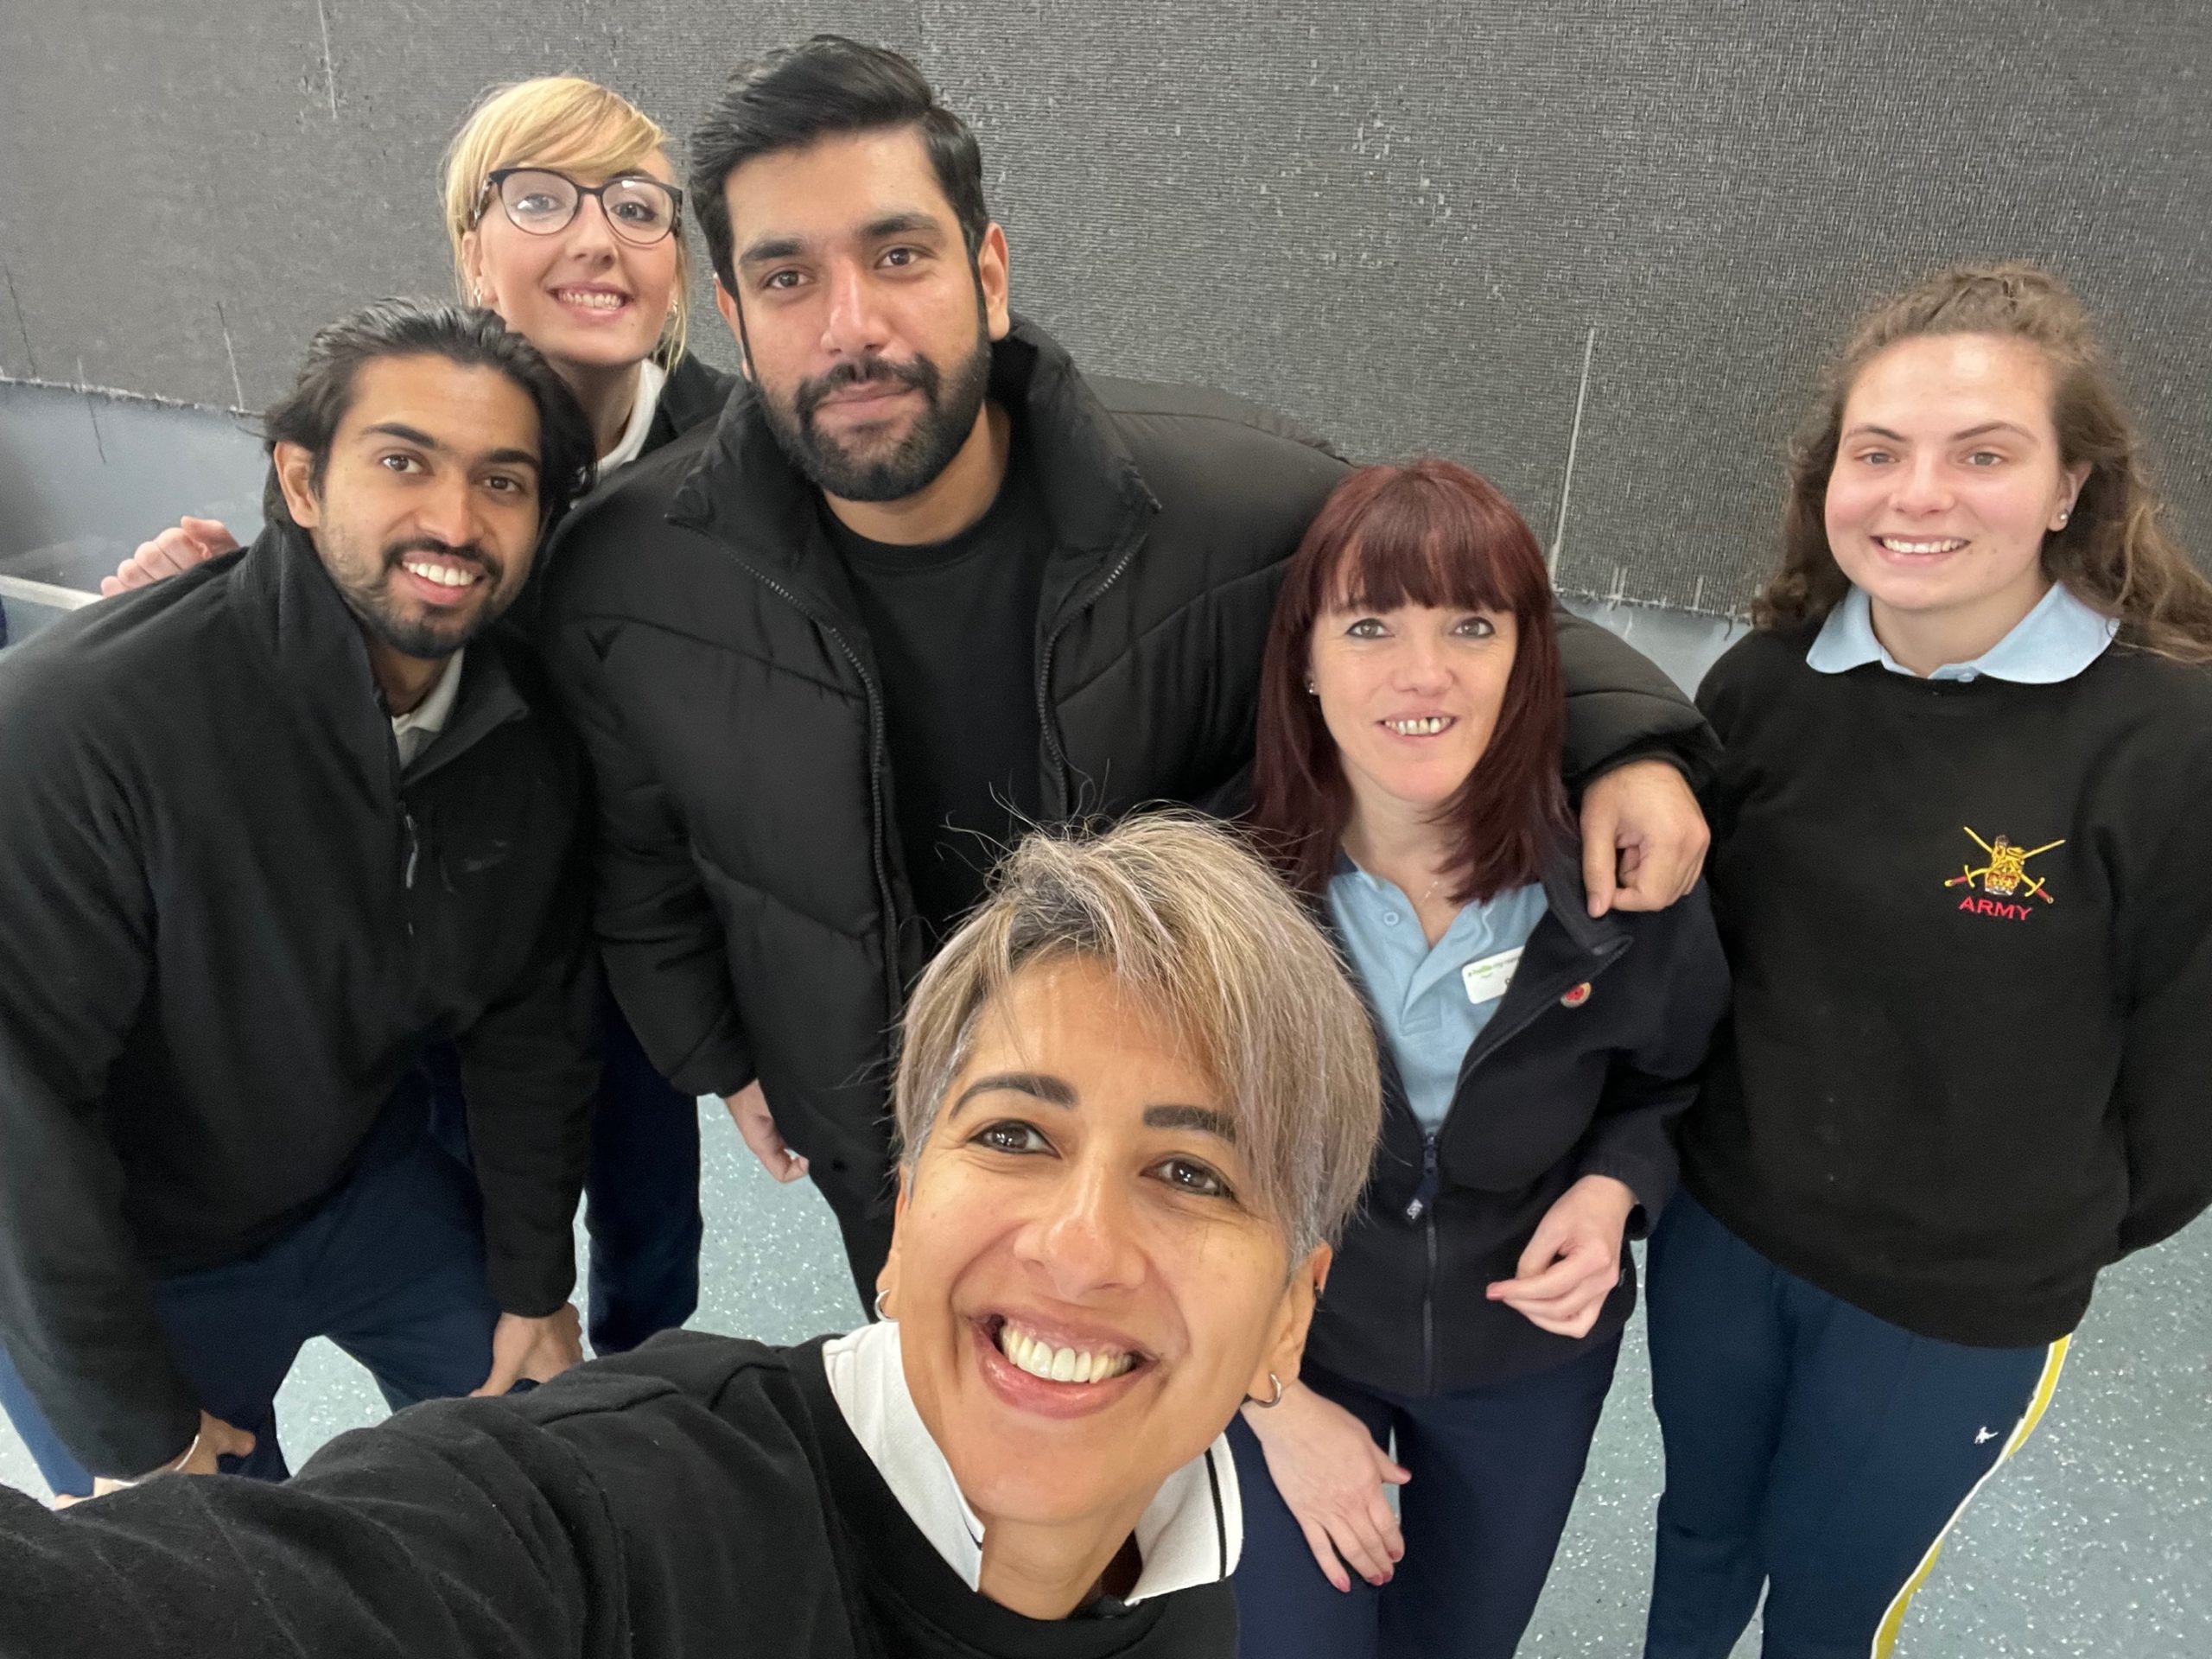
1812	1449
390	1268
1494	1476
641	1189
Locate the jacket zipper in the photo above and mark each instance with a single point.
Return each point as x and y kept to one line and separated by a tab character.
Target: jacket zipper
894	984
1045	669
1422	1209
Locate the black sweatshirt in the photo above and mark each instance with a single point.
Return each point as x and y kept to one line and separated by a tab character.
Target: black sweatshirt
1970	1062
228	923
700	1498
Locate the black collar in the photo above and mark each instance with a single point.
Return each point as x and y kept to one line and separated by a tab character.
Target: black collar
316	649
744	492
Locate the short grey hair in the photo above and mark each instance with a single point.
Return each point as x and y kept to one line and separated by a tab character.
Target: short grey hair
1183	914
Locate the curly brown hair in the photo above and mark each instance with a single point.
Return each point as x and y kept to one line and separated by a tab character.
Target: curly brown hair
2113	554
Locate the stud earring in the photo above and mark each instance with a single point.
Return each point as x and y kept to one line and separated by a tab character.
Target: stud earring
1312	691
2063	515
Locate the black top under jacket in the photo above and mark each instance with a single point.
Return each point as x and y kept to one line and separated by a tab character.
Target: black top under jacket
228	923
1957	1082
1593	1055
700	1498
949	627
756	914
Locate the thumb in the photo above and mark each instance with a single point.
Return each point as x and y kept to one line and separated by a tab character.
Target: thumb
1543	1249
1598	855
505	1373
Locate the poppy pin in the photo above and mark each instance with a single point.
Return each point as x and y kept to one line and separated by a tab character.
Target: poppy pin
1577	997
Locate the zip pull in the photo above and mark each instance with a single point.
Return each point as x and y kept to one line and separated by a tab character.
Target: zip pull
1425	1195
414	847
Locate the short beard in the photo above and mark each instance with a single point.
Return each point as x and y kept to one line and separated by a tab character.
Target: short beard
431	637
946	421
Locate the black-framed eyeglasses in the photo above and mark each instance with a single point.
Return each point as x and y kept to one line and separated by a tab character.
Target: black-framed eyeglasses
639	210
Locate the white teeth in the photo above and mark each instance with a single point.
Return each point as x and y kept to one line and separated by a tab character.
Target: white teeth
445	576
592	300
1425	728
1041	1358
1895	545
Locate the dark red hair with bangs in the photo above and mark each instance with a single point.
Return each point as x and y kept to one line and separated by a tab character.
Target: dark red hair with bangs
1431	533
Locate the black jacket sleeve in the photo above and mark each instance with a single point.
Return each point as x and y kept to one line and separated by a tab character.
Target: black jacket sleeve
1622	707
529	1074
614	1513
75	953
1632	1138
2163	1098
659	933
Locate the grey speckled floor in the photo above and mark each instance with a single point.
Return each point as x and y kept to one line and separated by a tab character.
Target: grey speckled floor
2093	1542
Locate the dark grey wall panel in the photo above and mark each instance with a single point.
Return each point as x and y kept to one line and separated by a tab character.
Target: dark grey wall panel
1404	222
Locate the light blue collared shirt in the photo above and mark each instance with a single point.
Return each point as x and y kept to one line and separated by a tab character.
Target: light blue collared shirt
1420	993
2055	641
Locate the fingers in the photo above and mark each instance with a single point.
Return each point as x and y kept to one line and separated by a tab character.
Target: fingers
748	1109
1325	1557
506	1371
212	535
1600	825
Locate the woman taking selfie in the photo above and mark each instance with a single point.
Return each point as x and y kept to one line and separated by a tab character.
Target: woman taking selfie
1134	1097
1957	867
1411	722
563	215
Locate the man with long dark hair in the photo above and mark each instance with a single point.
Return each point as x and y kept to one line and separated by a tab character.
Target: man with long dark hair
926	582
268	829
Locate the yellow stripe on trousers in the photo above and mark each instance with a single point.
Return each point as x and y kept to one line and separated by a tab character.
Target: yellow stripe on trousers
1886	1636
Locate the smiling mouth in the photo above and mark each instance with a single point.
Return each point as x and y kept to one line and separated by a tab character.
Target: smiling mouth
1041	1359
1920	549
1425	726
592	299
445	576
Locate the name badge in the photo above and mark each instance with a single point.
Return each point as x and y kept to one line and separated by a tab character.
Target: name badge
1489	977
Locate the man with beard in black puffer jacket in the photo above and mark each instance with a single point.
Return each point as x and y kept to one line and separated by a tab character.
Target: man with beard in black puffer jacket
923	583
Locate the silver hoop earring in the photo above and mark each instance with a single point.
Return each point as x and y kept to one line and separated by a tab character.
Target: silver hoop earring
879	1314
476	293
1267	1405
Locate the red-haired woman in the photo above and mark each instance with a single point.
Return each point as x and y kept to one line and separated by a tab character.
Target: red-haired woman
1411	721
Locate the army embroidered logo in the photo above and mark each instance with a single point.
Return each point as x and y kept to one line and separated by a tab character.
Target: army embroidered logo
2004	874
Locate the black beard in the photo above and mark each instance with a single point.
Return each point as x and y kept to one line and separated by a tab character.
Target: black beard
431	636
946	421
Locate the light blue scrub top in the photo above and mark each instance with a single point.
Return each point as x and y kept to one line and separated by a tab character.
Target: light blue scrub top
1423	997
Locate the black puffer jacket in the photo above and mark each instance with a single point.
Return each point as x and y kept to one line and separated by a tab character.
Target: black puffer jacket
1591	1057
754	914
229	923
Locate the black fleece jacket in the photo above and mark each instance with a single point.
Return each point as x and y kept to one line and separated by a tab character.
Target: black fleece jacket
754	912
700	1498
1591	1057
228	923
